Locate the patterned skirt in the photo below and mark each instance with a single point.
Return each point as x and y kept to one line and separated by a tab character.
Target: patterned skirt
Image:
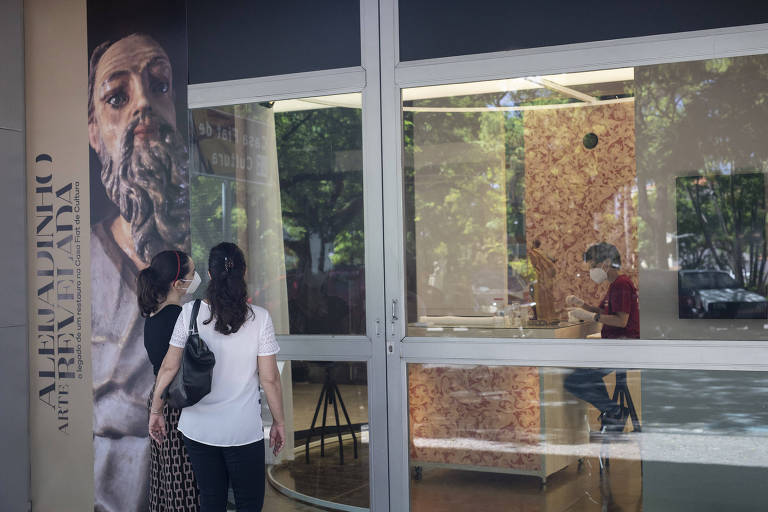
172	485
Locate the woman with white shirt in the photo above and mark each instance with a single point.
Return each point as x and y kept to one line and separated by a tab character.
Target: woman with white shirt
223	432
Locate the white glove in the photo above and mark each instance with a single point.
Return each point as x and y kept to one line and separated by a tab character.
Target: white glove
573	301
581	314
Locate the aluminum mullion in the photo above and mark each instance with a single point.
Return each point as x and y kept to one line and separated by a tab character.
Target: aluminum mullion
651	354
666	48
378	470
324	349
280	87
391	137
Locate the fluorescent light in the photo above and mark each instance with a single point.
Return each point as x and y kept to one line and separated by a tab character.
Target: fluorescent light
518	84
352	100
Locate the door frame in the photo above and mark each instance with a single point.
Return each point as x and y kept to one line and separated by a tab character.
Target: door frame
644	354
369	348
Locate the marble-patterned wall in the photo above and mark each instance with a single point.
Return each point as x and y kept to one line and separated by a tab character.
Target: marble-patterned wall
576	196
464	414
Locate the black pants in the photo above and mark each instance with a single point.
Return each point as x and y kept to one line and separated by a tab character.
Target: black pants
216	467
588	385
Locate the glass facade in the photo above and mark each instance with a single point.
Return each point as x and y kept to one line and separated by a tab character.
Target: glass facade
622	203
619	203
514	260
530	438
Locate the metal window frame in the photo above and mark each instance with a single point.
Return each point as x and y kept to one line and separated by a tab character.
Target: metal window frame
380	79
363	79
647	354
706	44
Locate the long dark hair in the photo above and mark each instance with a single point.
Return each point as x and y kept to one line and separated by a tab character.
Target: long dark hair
154	282
227	293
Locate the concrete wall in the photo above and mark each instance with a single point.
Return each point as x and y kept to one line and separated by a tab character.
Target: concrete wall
14	431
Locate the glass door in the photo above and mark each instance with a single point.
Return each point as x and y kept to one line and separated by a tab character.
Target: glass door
569	258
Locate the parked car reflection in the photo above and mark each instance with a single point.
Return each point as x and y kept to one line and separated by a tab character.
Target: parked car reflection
715	294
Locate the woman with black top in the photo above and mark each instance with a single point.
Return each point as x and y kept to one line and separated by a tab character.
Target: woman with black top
223	432
161	288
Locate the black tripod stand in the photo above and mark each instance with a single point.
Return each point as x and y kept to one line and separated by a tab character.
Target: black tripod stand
330	394
622	397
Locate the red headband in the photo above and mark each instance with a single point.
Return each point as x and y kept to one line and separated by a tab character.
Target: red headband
178	266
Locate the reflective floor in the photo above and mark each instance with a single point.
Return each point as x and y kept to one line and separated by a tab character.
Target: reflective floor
707	453
325	478
628	485
276	502
570	490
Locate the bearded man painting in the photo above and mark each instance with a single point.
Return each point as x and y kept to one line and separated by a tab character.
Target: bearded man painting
143	158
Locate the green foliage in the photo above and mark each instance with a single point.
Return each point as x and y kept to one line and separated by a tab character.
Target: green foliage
320	170
205	216
721	224
460	183
704	118
321	183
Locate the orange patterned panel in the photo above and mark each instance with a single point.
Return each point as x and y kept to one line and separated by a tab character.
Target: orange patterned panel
575	196
474	415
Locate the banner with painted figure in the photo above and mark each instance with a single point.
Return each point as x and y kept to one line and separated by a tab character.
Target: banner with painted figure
60	415
109	186
137	132
149	192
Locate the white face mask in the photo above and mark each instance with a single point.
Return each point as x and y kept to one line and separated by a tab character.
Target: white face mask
193	285
598	275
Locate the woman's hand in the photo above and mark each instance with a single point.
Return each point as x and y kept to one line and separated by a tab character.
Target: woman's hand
171	364
277	437
574	301
157	427
269	376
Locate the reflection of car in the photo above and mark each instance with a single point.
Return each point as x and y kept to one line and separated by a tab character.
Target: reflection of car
715	294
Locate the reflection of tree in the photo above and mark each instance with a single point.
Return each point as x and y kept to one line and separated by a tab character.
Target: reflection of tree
459	208
721	224
321	188
320	162
319	156
704	118
206	217
464	182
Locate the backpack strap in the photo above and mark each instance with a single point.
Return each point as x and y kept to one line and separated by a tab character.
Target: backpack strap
193	317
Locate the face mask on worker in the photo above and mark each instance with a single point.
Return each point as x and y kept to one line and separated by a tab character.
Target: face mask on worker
598	275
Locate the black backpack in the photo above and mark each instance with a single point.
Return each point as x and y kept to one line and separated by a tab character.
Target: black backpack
193	380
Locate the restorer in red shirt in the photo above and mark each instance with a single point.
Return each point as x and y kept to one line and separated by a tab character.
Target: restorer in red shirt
618	311
619	314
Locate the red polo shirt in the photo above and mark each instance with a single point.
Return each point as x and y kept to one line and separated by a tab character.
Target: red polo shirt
621	298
